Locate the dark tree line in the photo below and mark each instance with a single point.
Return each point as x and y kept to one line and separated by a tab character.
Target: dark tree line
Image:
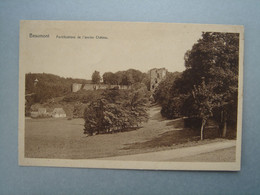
208	88
128	77
165	94
48	86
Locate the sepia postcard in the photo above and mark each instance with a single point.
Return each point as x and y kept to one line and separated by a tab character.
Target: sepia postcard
130	95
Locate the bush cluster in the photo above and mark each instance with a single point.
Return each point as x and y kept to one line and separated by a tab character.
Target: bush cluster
117	110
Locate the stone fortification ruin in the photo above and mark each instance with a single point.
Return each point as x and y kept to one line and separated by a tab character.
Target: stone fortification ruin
156	76
76	86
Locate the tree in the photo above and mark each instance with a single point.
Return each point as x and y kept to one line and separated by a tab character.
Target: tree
139	98
166	87
129	77
146	80
134	76
167	95
110	78
208	88
91	119
117	110
96	77
49	86
212	64
124	78
204	103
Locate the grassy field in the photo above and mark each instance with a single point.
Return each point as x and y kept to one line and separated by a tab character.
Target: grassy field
64	139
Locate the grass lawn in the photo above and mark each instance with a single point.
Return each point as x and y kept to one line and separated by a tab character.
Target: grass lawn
64	139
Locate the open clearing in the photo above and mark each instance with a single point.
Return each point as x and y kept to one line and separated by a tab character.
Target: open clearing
64	139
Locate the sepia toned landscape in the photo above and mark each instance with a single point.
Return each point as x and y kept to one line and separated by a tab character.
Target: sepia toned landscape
152	114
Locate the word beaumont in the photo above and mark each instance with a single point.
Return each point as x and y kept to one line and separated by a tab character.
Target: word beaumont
39	35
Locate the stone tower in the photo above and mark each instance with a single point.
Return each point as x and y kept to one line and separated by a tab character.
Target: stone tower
157	75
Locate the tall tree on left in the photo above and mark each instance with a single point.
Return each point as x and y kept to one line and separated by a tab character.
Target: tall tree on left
96	77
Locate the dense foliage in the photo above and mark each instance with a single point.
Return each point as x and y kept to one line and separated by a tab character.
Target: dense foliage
128	77
48	86
166	95
80	100
96	78
47	90
83	96
117	110
209	85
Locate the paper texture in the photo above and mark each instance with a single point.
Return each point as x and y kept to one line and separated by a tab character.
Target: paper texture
127	95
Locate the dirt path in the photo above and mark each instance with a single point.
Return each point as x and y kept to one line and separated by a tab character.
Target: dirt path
179	153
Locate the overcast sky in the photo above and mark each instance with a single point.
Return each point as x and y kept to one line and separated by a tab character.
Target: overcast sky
141	46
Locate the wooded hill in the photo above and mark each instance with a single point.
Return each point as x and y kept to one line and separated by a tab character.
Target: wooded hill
52	91
48	86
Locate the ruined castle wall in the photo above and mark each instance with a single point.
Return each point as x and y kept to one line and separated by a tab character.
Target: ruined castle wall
104	86
76	87
89	87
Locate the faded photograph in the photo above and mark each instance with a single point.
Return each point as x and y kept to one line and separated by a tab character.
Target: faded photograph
130	95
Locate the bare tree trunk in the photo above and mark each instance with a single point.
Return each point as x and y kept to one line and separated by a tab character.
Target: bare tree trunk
221	124
202	129
224	132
